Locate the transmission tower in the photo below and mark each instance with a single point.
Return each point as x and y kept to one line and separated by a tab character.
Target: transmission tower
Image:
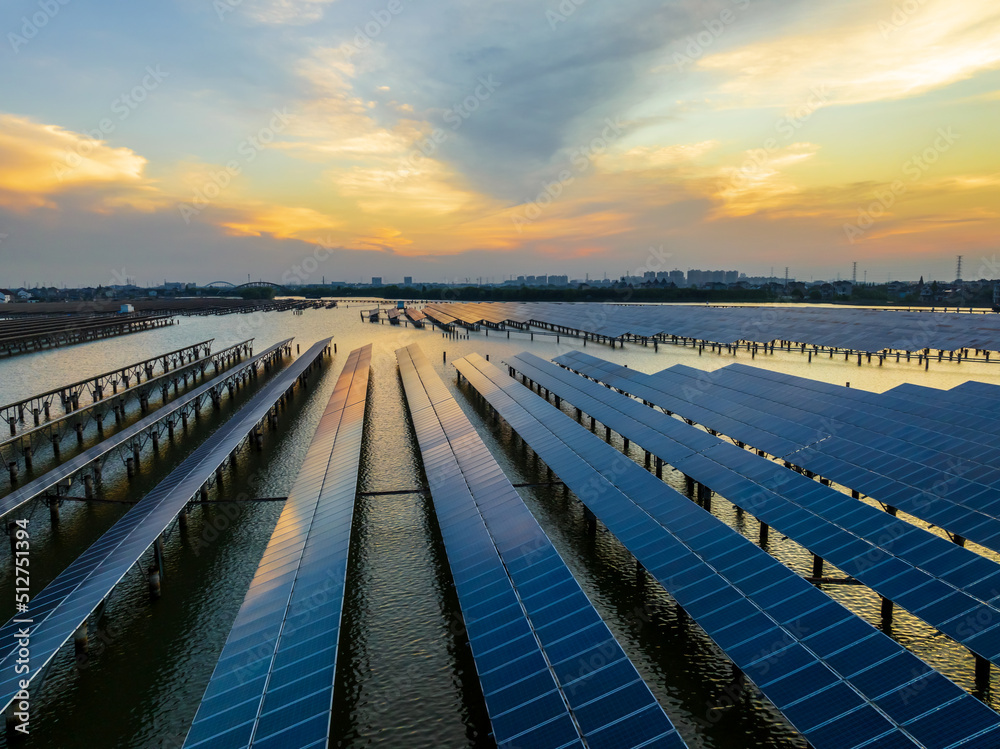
786	276
958	269
854	273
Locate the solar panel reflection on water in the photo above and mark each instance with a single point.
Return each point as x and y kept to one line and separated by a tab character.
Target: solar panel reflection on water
273	684
65	603
847	448
552	673
943	584
838	680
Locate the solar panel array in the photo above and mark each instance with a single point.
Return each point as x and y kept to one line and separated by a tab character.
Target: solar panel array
945	585
64	604
843	434
853	329
273	684
837	679
535	636
46	481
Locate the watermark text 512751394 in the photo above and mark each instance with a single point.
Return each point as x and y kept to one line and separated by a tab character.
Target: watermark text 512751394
22	579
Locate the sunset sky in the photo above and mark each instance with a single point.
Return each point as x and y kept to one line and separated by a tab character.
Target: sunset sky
202	140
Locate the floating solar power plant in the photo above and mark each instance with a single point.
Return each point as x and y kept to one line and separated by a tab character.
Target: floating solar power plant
884	422
440	317
847	329
534	634
838	680
902	447
941	583
49	479
844	402
416	316
59	610
484	589
855	457
956	503
273	684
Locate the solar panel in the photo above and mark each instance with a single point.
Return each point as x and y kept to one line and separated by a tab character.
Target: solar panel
33	488
848	329
534	634
762	416
749	603
857	538
273	684
65	603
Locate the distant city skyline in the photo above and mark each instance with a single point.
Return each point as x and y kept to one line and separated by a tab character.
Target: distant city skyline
691	278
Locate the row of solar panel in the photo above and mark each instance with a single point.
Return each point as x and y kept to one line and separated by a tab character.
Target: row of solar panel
800	420
936	580
534	634
886	468
65	603
834	457
855	329
876	412
273	683
33	488
837	679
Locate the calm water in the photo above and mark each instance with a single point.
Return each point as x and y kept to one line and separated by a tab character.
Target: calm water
406	677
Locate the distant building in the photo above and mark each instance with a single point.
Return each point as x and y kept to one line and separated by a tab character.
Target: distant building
407	280
5	296
376	280
558	280
845	288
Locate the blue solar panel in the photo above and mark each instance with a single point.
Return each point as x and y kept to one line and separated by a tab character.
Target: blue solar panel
954	500
922	572
64	604
274	680
698	557
533	609
849	329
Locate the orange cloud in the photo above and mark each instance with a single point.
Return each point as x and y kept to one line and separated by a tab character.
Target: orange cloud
282	222
40	161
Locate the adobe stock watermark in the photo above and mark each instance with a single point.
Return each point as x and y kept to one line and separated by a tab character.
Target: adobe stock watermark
31	25
364	35
123	106
786	126
562	12
696	44
900	16
580	159
299	273
915	168
455	116
219	180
